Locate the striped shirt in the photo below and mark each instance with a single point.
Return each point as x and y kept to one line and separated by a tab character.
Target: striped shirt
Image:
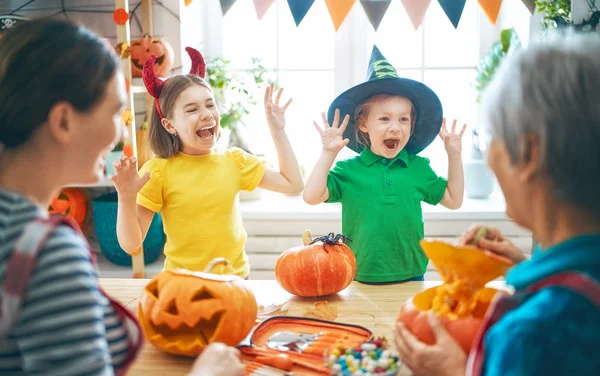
66	325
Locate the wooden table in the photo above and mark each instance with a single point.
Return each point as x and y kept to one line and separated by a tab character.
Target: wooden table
374	307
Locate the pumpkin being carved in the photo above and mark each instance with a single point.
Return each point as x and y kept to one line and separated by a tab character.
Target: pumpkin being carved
141	49
322	266
462	300
181	311
70	202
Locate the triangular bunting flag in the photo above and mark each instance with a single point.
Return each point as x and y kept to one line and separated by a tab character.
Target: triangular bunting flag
491	9
416	10
453	9
261	7
375	10
530	4
299	8
226	5
338	10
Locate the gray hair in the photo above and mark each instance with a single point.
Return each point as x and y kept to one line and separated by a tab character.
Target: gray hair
551	91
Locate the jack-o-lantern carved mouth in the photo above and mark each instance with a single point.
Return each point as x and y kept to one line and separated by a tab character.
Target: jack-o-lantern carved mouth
136	62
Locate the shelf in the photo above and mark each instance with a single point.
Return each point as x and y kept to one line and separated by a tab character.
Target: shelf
104	183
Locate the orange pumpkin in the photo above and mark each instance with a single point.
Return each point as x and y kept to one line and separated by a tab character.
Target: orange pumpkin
141	49
462	300
181	311
322	266
70	202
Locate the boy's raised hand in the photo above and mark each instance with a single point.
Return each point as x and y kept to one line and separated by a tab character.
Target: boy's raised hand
275	113
126	179
452	140
333	136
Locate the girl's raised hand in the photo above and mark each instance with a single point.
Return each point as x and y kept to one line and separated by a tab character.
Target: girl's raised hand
333	136
275	113
126	179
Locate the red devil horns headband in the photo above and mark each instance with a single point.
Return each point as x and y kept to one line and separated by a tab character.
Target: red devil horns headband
154	84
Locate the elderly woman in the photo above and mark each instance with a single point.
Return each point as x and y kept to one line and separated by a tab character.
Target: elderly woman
543	109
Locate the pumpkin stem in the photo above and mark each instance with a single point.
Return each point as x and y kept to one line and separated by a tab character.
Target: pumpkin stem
481	233
307	238
215	262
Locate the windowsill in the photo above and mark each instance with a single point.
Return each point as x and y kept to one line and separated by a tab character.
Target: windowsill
276	206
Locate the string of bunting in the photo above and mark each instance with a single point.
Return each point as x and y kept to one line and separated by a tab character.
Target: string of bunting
375	10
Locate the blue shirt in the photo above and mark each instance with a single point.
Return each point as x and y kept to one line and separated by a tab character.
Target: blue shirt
555	331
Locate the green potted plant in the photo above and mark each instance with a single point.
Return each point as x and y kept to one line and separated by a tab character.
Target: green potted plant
479	180
236	93
552	9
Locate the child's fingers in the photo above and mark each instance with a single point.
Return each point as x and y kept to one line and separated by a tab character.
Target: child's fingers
345	123
325	123
278	95
444	123
462	131
318	128
345	142
454	125
336	118
287	104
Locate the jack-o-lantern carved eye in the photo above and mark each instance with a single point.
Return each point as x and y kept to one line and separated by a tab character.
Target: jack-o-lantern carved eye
202	295
152	288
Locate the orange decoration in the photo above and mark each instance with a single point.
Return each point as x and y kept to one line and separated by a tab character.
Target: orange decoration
187	2
127	117
462	300
123	50
491	9
181	312
120	16
128	150
70	202
321	267
127	85
141	49
338	10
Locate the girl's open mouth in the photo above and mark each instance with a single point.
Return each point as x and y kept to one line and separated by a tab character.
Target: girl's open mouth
391	143
207	133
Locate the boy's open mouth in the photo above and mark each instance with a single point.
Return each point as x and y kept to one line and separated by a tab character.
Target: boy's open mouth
206	133
391	143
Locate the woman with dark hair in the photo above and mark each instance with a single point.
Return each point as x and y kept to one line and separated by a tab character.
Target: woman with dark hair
62	94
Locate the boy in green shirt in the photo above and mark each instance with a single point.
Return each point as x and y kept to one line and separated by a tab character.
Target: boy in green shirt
382	188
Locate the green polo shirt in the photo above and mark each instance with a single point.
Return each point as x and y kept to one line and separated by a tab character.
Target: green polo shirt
381	212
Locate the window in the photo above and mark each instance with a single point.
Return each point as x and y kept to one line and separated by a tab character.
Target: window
315	63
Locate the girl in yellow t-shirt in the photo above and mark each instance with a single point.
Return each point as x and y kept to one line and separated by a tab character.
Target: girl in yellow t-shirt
193	186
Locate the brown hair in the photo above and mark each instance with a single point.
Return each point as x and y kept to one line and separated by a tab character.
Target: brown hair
162	143
43	62
362	113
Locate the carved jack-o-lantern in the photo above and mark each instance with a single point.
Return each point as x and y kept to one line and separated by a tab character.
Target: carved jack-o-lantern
141	49
181	312
70	202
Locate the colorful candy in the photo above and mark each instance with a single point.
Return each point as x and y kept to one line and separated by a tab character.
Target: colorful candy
370	358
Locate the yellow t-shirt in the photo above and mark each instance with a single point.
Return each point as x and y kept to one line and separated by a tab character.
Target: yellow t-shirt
198	200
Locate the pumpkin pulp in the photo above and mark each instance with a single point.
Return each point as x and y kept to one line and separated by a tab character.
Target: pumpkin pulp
464	272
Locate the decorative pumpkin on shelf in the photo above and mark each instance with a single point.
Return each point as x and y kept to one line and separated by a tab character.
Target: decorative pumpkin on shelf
322	266
181	311
70	202
462	300
141	49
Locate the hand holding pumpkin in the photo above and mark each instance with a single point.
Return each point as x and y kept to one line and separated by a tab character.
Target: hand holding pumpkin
445	357
493	241
126	178
218	359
